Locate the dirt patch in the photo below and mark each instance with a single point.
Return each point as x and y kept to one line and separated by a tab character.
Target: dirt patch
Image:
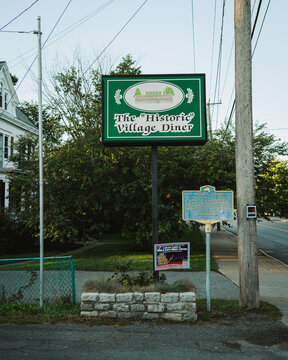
256	330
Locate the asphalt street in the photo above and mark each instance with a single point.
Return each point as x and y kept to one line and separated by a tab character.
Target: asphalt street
229	339
272	238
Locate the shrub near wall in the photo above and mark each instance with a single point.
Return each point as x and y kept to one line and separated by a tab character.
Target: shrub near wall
176	306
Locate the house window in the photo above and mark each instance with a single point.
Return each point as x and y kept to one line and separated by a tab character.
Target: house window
6	147
12	146
6	101
1	100
1	150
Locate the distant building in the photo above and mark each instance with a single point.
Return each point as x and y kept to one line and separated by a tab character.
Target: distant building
154	96
13	123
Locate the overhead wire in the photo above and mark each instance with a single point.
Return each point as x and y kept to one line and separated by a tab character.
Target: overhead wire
218	74
66	31
228	67
35	32
256	43
252	33
193	36
114	38
16	17
212	54
232	92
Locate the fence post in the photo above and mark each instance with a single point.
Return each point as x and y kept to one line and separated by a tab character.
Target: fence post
73	280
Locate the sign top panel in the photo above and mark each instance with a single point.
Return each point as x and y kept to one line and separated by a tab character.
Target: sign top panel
154	109
207	205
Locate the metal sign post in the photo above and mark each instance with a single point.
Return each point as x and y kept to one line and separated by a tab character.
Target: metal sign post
208	297
208	207
154	204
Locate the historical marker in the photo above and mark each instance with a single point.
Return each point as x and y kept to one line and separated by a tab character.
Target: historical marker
207	205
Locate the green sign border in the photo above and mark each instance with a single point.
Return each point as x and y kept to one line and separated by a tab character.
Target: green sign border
108	101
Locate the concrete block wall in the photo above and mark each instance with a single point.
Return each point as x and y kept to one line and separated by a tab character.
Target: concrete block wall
176	306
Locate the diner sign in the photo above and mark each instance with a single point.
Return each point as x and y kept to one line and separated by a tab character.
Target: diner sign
154	110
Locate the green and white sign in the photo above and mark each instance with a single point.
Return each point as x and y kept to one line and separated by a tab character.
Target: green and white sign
154	110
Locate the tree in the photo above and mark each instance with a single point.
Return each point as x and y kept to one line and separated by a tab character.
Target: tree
90	189
52	129
272	188
137	92
127	67
168	91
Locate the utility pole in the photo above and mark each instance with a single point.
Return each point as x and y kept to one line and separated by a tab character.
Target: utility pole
247	236
210	117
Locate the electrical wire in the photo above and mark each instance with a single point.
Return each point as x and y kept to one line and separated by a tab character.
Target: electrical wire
257	14
66	31
193	35
218	75
118	33
256	43
228	67
212	55
35	32
16	17
254	26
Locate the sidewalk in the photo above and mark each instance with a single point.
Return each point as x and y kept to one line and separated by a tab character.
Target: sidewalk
273	275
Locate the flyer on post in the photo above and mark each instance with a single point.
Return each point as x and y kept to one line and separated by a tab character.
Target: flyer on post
172	256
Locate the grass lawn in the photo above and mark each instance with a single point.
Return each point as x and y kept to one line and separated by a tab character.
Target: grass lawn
105	257
21	313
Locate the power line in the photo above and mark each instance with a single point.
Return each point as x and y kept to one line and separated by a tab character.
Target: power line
36	32
255	22
218	75
194	57
228	67
118	33
256	43
16	17
213	43
256	18
67	30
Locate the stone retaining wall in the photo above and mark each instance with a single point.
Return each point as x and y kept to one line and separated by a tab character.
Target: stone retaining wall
150	305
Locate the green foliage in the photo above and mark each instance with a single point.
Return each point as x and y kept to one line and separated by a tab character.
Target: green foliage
142	282
137	92
169	91
91	190
272	188
221	308
127	67
21	313
52	128
14	79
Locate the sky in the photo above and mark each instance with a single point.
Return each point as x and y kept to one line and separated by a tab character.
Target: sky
164	37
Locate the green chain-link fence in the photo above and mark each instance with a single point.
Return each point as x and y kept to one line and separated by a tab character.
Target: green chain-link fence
19	279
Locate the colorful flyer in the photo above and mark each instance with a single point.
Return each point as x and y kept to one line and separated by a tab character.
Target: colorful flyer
172	256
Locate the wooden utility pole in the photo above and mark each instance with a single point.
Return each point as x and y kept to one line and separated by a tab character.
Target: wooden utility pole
247	236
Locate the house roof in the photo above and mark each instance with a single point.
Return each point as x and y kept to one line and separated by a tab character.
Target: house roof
24	118
19	114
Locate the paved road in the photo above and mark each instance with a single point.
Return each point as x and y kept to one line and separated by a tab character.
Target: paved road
237	339
272	238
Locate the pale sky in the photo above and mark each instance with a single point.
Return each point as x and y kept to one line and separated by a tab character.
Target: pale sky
160	38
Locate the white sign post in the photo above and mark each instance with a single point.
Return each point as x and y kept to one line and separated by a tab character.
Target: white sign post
208	207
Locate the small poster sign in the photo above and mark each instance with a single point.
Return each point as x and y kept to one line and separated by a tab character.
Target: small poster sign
172	256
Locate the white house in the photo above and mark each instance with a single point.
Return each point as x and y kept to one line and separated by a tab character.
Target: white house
13	123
